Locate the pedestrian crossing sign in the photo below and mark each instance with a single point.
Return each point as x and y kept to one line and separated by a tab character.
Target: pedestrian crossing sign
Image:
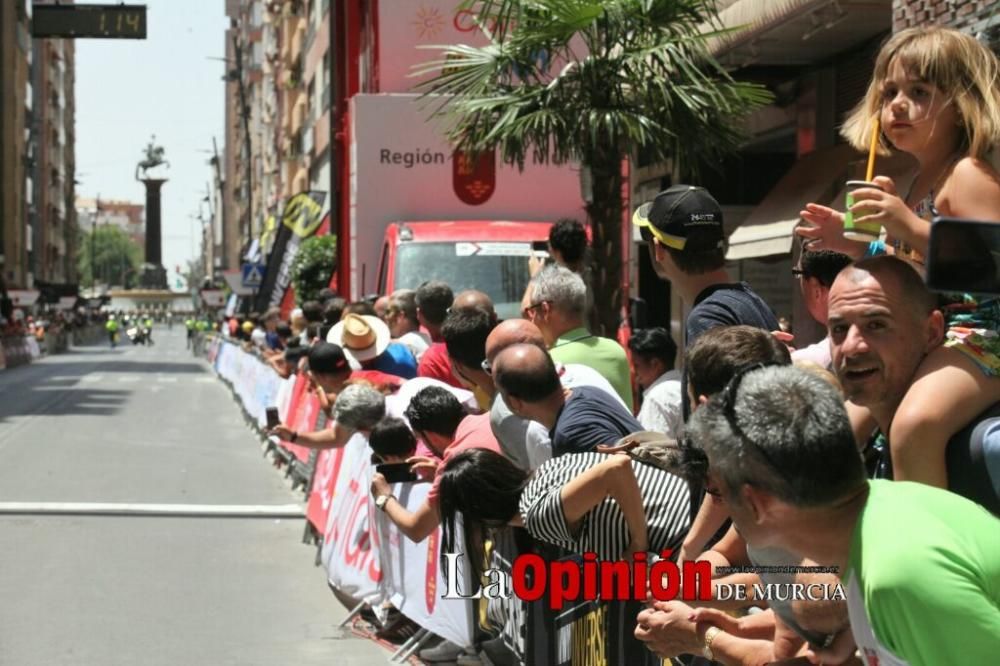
253	275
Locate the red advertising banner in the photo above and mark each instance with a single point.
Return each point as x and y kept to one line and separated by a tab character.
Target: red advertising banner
328	466
303	410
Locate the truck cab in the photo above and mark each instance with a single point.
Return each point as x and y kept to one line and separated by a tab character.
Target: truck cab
491	256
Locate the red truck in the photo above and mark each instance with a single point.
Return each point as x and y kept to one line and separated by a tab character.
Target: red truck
488	255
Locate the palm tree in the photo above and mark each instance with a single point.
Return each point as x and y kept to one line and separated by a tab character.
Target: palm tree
593	81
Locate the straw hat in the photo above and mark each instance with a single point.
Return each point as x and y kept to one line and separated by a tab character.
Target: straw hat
362	337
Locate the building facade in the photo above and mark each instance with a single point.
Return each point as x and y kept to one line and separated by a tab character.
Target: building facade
52	211
15	118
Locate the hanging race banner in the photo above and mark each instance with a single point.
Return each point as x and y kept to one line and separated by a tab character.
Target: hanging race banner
300	218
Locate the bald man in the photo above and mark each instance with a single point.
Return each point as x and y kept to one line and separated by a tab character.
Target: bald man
883	322
524	441
472	298
577	419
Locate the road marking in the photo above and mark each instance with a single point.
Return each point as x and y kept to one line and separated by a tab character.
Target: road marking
93	379
166	380
129	379
111	509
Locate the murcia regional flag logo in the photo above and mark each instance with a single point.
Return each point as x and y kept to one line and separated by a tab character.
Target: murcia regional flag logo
474	178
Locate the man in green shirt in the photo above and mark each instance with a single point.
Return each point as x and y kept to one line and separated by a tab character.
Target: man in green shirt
921	565
556	302
111	326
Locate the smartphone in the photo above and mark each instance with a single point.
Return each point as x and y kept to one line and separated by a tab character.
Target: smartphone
272	417
540	249
397	473
964	256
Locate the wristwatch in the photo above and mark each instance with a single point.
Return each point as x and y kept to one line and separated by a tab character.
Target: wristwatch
381	501
710	635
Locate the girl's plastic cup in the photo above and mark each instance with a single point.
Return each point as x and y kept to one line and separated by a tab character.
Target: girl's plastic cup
865	231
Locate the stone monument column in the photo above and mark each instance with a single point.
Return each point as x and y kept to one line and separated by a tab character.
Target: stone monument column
154	275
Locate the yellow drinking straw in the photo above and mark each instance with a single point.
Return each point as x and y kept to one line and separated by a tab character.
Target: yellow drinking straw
871	151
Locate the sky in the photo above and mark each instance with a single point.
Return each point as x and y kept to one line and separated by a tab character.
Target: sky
167	85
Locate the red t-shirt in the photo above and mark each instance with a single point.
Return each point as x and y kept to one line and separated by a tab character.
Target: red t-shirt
436	364
474	432
381	380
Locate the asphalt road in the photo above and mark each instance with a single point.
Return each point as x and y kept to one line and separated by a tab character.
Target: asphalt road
147	426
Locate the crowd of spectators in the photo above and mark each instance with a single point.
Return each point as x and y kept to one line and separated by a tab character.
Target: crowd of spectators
742	451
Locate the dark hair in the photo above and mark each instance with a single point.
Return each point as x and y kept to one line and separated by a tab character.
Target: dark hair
325	295
283	330
293	354
327	358
312	311
654	343
334	310
253	318
465	332
824	265
392	437
531	382
569	238
434	298
720	352
312	331
360	308
435	409
486	488
692	262
698	262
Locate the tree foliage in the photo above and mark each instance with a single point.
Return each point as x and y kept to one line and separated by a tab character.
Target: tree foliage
114	256
593	82
313	266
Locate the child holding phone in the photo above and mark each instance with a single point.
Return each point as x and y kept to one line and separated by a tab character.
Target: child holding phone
936	94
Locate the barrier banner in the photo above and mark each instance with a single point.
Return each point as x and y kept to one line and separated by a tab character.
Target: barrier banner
324	481
349	554
302	411
412	577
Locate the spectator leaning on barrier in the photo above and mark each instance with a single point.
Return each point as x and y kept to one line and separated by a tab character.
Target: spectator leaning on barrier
437	417
653	356
366	341
357	409
883	322
683	229
578	419
816	272
921	565
556	302
401	317
392	441
524	441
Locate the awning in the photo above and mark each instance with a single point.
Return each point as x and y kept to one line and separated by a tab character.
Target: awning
795	32
767	231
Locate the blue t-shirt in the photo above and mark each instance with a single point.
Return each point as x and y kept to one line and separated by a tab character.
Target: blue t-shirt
728	304
396	360
591	417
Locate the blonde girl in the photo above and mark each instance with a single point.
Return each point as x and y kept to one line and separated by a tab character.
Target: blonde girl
936	93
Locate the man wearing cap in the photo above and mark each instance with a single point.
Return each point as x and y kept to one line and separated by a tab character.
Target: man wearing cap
365	340
687	246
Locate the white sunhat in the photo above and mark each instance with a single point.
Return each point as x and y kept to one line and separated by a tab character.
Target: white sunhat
362	337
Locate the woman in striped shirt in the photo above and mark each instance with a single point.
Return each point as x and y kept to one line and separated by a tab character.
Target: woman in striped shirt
609	504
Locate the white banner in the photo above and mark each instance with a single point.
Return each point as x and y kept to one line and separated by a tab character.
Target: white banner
413	580
349	555
392	142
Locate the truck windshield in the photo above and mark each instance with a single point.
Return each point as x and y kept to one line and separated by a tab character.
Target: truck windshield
499	269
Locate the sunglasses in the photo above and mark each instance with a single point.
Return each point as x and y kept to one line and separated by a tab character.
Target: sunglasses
526	312
729	395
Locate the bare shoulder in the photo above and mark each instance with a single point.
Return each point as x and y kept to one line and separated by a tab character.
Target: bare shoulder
972	190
